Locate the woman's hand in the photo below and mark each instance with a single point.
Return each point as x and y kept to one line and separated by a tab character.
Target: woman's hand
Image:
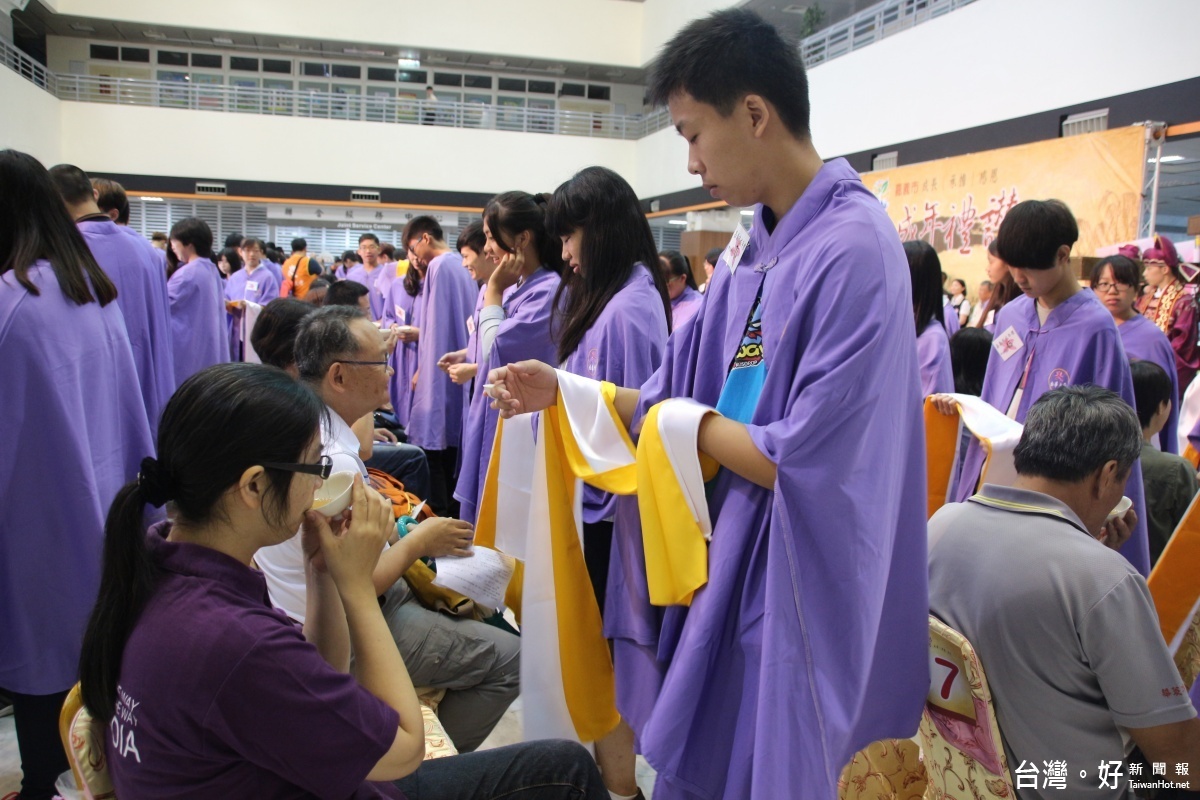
350	554
384	435
945	404
522	387
507	272
442	536
463	373
450	359
408	333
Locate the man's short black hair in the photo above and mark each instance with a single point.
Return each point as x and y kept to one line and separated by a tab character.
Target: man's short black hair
111	196
234	240
298	245
712	255
345	293
722	58
73	183
1151	388
369	236
419	226
1032	232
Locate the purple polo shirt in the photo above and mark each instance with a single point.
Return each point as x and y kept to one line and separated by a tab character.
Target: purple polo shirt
221	696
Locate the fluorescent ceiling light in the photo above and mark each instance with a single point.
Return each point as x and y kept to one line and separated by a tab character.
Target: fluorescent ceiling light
677	222
1165	159
82	27
497	62
152	199
747	212
288	46
222	40
154	35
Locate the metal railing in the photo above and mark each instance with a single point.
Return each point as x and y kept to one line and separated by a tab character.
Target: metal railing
877	22
870	25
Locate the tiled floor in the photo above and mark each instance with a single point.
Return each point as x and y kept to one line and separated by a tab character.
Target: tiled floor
508	731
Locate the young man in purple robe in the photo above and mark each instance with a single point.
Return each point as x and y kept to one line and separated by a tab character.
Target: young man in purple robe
74	430
439	326
199	336
513	323
1054	335
141	287
254	283
810	638
367	272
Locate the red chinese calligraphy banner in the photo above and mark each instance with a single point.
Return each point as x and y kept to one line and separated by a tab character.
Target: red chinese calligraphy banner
956	204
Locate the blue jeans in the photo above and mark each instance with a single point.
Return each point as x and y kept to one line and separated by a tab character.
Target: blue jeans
553	769
404	462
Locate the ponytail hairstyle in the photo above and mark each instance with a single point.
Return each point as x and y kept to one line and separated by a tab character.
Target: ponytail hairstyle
616	237
222	421
193	231
37	226
513	213
925	269
679	266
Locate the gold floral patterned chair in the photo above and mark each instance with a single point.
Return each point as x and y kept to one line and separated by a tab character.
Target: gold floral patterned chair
1187	657
83	739
889	769
960	738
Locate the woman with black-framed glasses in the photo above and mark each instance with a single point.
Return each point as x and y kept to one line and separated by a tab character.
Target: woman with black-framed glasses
1116	280
186	664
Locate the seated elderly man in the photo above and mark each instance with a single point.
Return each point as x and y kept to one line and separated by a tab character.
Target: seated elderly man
1063	625
343	357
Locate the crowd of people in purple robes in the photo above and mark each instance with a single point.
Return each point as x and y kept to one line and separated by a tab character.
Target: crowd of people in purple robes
813	350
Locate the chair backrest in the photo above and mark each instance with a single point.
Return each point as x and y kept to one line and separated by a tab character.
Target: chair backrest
960	738
83	739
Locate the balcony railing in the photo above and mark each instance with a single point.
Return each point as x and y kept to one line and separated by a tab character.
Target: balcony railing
884	19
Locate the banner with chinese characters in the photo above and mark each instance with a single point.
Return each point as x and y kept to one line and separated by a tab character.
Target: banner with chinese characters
957	204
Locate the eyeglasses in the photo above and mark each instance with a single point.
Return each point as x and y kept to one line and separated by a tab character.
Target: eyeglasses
1106	287
382	363
321	469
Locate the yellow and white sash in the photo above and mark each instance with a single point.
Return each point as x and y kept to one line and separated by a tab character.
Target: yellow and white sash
996	433
250	313
671	500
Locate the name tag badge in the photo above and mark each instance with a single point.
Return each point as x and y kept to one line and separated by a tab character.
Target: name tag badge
1008	343
736	248
401	316
251	286
471	324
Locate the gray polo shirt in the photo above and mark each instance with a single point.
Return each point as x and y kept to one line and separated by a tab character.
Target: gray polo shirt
1065	629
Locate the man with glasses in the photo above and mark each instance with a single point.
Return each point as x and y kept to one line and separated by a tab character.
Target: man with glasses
367	272
344	358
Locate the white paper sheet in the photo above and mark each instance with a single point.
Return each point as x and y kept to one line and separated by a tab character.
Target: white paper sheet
483	577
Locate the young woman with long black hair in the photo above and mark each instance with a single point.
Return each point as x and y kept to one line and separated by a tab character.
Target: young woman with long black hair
933	345
205	689
611	323
74	428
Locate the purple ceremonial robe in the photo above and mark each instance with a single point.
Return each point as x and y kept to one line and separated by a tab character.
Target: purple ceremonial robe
199	337
399	311
472	357
258	287
74	431
1079	344
141	285
933	358
277	271
523	335
950	320
810	639
441	311
383	282
367	278
1144	341
624	346
685	307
